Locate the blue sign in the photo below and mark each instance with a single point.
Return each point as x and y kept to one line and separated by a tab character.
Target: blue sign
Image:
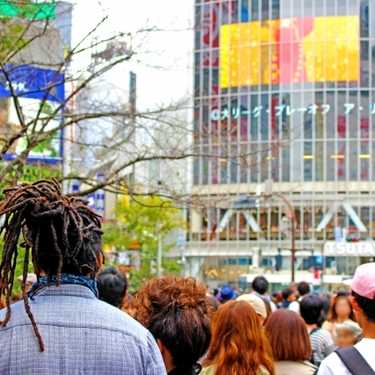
91	201
100	196
245	203
31	82
319	259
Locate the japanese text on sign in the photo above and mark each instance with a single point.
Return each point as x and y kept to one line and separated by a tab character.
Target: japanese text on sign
280	110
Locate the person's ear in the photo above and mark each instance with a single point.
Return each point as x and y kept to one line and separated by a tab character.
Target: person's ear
100	261
161	346
355	305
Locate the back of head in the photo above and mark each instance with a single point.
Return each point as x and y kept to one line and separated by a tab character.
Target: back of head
215	303
177	312
287	292
303	288
112	286
288	336
311	308
239	345
260	285
63	234
367	306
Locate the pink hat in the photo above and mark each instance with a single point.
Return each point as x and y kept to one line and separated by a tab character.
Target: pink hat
363	282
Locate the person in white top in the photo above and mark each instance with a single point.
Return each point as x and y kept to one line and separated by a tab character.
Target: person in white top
363	302
303	290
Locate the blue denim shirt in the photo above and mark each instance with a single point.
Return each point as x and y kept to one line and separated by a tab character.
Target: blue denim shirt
81	335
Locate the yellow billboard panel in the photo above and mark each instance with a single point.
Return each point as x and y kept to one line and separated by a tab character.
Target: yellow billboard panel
320	49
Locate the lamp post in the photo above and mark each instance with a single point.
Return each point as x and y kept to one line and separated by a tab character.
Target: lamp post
269	193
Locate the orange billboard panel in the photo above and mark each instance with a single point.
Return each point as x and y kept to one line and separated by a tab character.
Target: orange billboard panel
320	49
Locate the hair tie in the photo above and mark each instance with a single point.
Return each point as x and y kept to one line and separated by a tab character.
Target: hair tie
197	368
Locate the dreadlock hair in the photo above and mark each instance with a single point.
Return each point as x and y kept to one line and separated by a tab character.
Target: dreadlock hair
63	233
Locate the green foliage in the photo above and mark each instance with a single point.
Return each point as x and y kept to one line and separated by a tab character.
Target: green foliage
139	226
28	9
30	174
11	33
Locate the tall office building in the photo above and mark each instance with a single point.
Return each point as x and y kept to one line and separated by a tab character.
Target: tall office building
283	92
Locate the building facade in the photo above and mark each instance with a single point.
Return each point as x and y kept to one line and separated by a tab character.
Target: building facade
283	93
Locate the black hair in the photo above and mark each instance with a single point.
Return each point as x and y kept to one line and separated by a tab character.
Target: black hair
112	286
215	303
311	309
342	292
63	234
367	305
260	284
287	292
303	288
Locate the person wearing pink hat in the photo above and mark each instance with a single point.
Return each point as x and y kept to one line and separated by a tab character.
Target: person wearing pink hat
358	359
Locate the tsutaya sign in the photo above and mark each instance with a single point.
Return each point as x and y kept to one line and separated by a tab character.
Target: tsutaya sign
363	248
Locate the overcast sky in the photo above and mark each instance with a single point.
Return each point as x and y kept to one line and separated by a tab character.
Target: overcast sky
169	49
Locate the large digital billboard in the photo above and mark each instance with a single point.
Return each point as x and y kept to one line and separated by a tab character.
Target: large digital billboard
320	49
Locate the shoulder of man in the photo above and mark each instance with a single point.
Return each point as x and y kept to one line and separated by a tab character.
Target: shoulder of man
294	306
332	365
89	313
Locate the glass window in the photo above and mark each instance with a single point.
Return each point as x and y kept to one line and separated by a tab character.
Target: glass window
308	158
275	220
319	161
286	165
364	158
365	217
254	162
353	113
365	63
364	13
264	118
341	160
326	116
264	162
205	166
330	161
308	224
254	120
297	161
319	214
244	163
353	161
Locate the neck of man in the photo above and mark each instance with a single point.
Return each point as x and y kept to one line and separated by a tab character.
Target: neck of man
368	330
311	326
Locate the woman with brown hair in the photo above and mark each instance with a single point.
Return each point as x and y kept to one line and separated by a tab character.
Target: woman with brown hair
177	313
239	345
341	311
290	343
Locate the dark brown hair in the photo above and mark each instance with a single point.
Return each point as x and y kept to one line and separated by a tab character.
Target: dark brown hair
239	345
288	336
332	315
63	234
176	311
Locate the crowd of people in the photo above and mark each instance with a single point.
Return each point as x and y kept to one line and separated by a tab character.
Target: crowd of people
75	317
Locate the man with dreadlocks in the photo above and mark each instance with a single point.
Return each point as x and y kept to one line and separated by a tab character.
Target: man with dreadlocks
61	327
